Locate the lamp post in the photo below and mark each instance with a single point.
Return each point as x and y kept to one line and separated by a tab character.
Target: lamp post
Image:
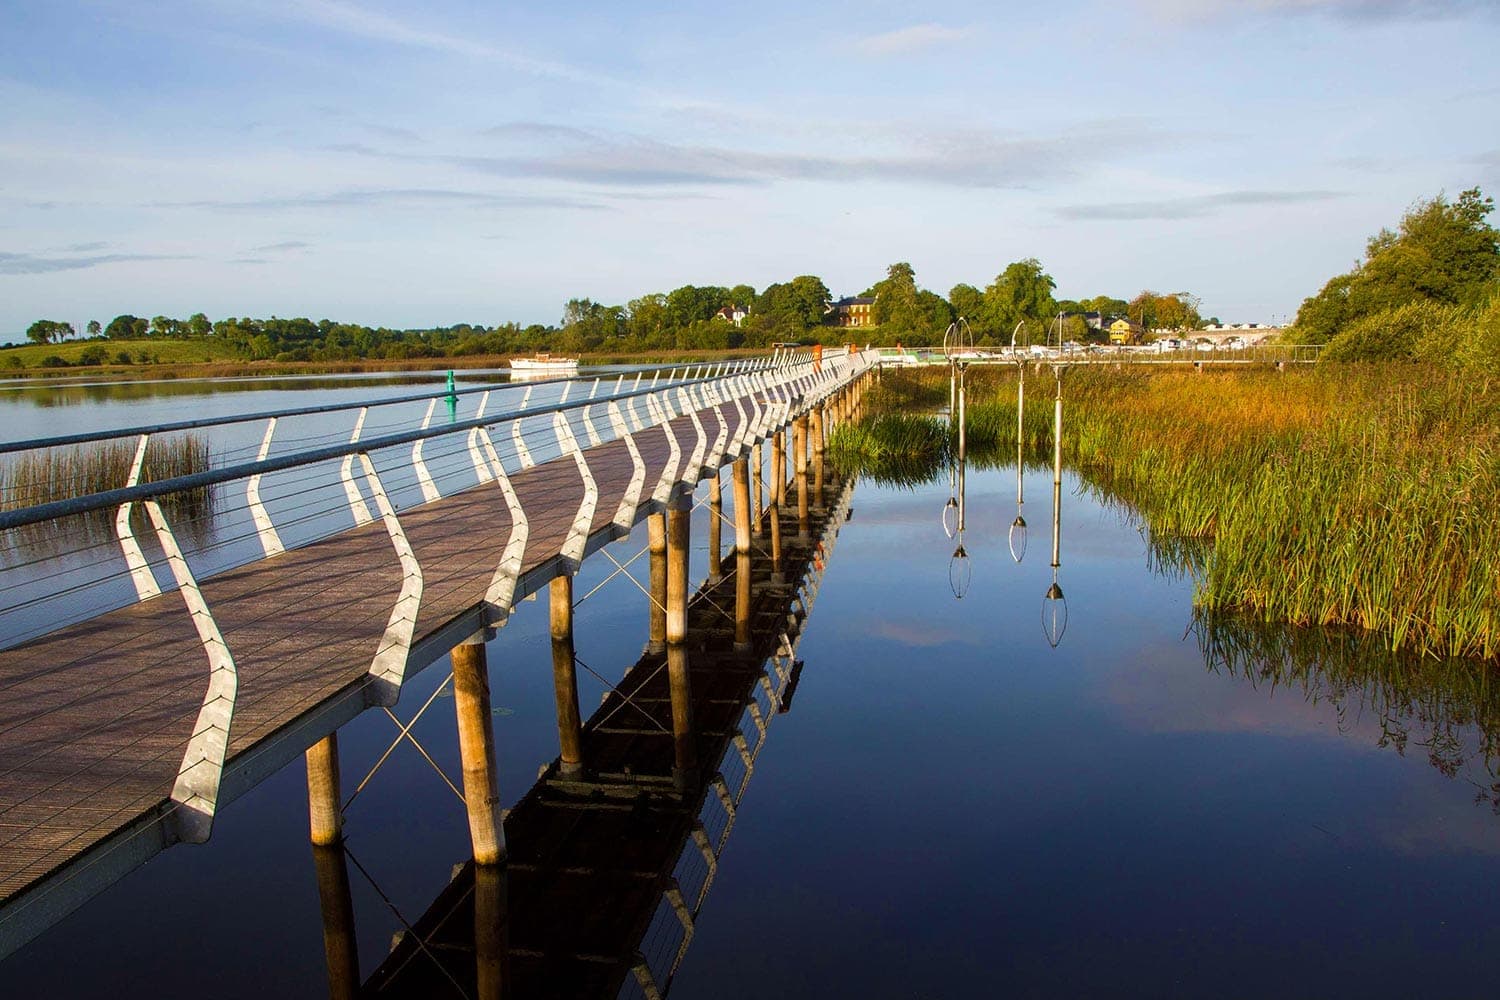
1054	605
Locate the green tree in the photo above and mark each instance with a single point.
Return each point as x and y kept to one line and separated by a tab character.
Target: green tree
968	302
691	303
48	331
1143	308
1178	311
647	319
198	326
1021	294
786	311
94	328
897	311
1105	305
1442	251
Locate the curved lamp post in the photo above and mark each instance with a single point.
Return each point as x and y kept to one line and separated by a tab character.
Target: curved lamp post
1054	605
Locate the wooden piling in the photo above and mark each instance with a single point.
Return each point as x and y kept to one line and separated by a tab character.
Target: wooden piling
476	749
656	533
778	488
818	418
324	797
679	537
757	465
565	678
799	456
715	528
741	475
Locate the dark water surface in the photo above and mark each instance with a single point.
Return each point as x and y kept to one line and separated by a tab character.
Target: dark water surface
952	807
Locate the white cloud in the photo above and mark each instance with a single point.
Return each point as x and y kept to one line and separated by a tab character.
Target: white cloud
1189	207
974	158
1351	10
911	39
361	22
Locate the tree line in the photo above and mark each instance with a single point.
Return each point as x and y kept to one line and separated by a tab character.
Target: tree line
1019	301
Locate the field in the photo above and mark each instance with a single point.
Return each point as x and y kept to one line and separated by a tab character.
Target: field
139	352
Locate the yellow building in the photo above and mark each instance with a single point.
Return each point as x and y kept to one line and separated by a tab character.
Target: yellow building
1125	331
855	310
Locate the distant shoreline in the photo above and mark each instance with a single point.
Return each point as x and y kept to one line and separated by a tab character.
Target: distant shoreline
252	369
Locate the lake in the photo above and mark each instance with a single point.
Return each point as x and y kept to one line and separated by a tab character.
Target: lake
1157	805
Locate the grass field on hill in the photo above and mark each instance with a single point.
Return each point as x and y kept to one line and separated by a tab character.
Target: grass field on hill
140	352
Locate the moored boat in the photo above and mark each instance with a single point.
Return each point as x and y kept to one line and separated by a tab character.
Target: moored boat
542	361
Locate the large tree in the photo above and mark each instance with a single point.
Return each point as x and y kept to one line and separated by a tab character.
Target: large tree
1442	252
1020	294
897	310
48	331
968	302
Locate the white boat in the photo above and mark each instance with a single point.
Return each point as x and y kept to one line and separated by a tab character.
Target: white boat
543	363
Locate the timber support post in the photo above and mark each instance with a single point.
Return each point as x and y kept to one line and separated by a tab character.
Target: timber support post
819	418
778	491
757	464
565	678
476	749
679	537
656	531
324	799
799	456
715	529
741	476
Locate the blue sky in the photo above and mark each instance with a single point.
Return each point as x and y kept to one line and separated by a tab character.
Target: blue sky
464	161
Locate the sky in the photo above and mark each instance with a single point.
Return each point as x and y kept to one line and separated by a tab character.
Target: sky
469	161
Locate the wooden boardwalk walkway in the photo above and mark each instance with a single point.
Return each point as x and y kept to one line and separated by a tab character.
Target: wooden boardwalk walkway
95	717
591	859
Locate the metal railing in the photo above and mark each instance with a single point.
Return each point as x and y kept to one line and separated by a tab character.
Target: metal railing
1107	354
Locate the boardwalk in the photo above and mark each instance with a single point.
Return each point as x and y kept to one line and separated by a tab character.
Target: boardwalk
95	717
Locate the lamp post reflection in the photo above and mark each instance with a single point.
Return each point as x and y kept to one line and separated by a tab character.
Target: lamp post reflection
1054	605
960	571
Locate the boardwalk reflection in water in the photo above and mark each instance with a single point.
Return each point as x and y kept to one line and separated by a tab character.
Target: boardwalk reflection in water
609	867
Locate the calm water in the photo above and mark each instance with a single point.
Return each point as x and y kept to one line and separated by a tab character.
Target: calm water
952	808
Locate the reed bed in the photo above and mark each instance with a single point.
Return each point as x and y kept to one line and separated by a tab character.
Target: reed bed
894	449
51	474
44	476
1361	495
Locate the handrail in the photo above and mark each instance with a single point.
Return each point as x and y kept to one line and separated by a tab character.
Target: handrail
89	437
110	499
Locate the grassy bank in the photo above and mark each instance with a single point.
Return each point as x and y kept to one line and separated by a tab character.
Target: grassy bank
1349	494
